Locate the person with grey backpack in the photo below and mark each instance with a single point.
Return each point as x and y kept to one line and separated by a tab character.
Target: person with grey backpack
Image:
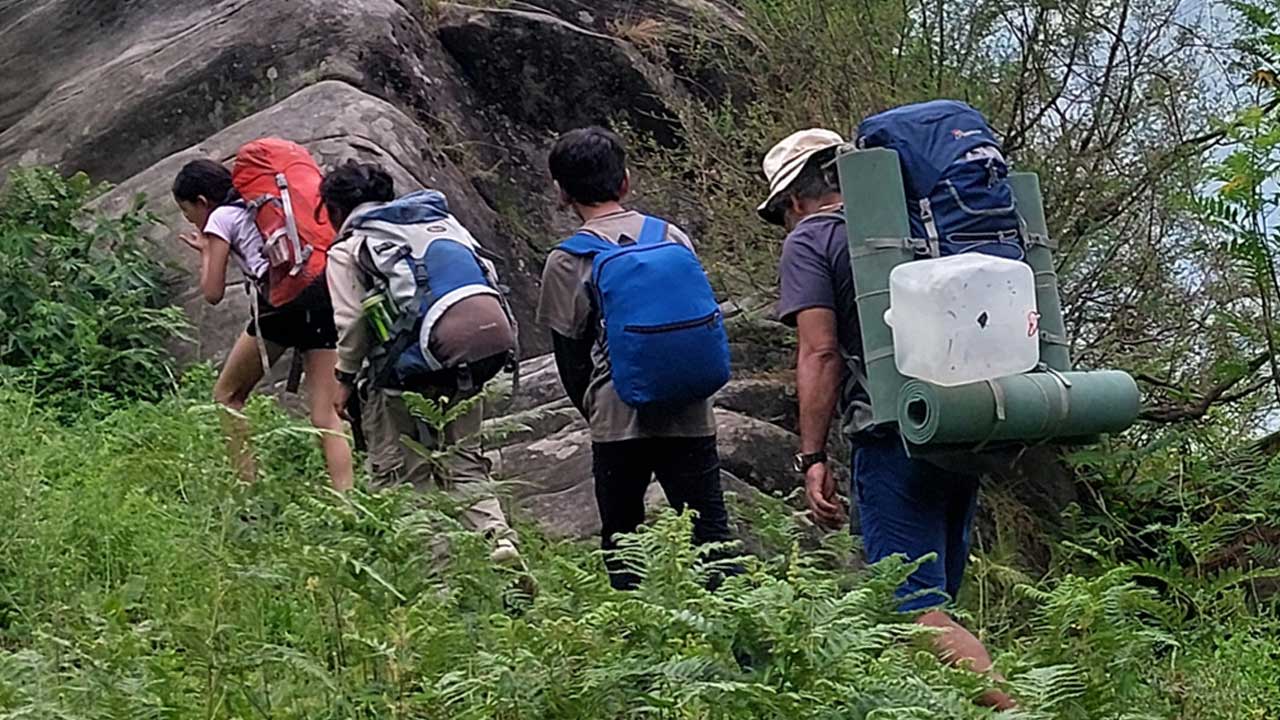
418	309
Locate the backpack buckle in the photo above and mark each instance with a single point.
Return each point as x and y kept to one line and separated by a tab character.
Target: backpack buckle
464	379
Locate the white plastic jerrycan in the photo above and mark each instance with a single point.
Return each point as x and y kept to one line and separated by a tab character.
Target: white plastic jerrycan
963	318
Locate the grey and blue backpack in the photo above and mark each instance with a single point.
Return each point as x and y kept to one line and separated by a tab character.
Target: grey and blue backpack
424	262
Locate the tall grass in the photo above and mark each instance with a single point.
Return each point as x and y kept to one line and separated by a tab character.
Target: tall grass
137	580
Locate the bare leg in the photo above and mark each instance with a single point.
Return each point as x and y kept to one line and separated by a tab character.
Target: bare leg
322	390
240	375
959	647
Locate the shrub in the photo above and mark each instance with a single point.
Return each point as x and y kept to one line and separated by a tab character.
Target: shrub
82	306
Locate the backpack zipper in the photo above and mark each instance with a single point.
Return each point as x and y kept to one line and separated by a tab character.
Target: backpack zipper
931	229
955	195
672	327
926	210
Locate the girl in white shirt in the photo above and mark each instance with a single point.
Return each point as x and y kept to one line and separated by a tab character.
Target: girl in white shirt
204	192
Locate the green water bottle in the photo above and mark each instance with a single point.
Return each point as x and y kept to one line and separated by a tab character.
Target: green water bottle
381	315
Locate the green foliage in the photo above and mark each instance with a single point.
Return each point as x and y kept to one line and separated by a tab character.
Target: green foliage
1098	124
82	307
439	412
141	581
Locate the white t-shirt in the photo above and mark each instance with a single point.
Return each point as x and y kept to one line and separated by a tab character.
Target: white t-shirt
234	224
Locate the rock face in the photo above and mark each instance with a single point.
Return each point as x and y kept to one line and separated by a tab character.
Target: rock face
555	75
544	449
137	80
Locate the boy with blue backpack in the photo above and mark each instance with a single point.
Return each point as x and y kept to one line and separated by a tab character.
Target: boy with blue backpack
417	309
907	506
640	345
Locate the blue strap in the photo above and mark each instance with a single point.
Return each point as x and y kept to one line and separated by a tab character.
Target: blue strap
584	244
587	244
652	232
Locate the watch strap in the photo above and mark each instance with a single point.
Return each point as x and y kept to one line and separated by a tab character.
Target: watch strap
804	461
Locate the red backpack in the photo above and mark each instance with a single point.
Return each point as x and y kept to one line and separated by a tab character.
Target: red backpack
280	183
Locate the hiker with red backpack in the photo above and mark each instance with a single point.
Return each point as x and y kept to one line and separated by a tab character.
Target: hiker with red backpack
265	215
906	505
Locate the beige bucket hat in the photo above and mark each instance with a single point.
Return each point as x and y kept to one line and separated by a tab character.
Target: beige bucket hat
785	161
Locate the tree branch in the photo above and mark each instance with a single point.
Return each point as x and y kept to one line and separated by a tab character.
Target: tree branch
1218	394
1107	211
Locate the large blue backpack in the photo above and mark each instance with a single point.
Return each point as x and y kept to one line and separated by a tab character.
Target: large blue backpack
663	328
955	177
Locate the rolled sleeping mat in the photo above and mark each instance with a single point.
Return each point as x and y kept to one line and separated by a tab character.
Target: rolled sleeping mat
871	182
1055	349
1021	408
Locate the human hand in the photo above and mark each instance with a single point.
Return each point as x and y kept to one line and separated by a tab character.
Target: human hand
194	240
340	401
825	505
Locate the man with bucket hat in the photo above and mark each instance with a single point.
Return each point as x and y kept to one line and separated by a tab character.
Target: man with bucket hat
906	507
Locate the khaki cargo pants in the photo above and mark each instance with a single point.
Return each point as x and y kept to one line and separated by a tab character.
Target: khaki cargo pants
463	472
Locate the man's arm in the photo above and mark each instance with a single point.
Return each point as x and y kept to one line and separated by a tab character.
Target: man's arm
819	370
818	373
565	309
573	361
807	299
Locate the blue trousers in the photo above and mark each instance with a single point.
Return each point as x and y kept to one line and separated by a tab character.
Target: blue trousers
914	508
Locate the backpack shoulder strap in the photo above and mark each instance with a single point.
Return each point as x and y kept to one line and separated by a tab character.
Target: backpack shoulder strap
653	231
585	244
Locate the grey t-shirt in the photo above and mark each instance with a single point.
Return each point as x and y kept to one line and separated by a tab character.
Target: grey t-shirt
566	307
815	272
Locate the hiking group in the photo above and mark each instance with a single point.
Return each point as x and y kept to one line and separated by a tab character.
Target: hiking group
381	293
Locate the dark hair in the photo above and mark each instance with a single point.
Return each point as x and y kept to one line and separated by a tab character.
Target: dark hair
817	179
352	184
590	164
205	178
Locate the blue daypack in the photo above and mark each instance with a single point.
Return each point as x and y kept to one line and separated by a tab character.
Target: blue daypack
954	175
663	328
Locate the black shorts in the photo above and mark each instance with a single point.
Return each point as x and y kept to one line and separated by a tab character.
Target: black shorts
304	324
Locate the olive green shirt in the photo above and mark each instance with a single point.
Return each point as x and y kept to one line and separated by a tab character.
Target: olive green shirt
566	307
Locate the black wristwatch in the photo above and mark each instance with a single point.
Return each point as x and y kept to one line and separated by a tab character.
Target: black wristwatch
346	378
804	461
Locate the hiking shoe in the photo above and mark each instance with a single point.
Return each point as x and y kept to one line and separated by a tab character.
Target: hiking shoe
505	553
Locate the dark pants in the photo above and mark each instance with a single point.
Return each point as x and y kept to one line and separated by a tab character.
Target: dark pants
688	469
912	507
